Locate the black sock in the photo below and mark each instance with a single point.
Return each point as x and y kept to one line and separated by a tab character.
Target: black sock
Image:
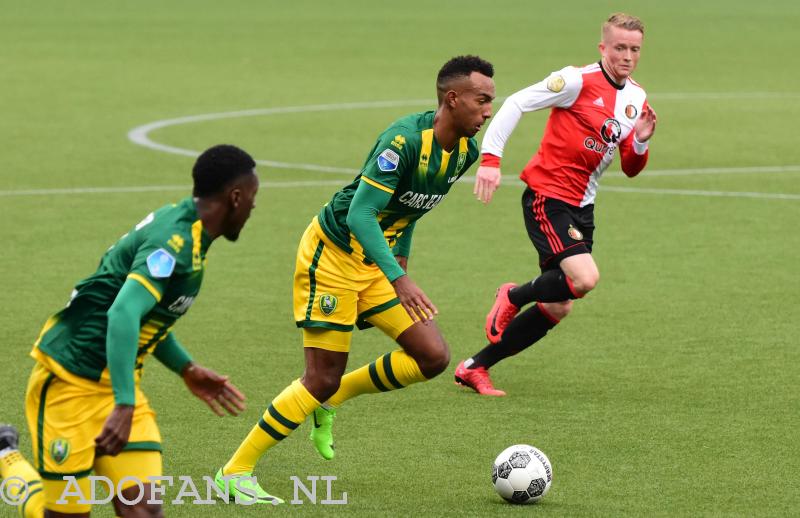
525	330
551	286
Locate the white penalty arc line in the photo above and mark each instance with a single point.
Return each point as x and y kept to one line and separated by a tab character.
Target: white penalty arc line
140	135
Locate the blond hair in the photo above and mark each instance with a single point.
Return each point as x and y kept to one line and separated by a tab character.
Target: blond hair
623	21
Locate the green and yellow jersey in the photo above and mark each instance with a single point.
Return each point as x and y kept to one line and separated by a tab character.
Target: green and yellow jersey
165	253
408	164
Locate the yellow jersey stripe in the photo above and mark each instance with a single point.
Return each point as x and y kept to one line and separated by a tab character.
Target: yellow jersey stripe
425	151
197	241
445	162
377	185
144	282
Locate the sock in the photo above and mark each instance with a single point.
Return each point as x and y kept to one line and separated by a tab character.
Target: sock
287	411
391	371
13	464
526	329
551	286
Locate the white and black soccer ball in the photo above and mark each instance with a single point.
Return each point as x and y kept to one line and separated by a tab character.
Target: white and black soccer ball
522	474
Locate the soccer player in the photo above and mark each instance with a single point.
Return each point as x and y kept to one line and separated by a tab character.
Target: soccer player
84	407
596	111
352	262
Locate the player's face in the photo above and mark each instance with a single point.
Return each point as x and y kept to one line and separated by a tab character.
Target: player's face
474	104
620	50
242	201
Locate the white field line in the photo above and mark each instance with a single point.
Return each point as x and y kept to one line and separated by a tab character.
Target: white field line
140	134
340	183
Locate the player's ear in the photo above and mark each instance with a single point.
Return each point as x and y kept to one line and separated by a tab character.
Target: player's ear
450	98
235	196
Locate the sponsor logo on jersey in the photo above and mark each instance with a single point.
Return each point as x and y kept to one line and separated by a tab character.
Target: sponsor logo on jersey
388	160
59	450
417	200
574	233
161	264
176	242
631	111
599	102
399	141
610	131
327	303
556	84
598	146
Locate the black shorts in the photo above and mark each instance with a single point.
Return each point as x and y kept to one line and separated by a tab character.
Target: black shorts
557	229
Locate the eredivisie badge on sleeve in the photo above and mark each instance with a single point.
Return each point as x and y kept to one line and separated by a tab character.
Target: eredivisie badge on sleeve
388	160
160	264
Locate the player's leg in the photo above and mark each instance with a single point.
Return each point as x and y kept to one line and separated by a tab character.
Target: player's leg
562	235
324	368
63	420
423	353
130	471
22	483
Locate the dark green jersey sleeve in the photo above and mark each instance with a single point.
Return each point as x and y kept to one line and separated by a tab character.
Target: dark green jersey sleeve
393	155
156	261
171	353
403	245
122	336
362	219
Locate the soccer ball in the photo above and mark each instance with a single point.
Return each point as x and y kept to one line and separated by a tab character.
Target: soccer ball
522	474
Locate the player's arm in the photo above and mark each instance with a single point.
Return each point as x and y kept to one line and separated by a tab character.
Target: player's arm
133	302
634	150
215	390
367	202
402	249
559	90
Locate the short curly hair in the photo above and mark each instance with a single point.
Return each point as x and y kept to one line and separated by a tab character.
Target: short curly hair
460	66
217	167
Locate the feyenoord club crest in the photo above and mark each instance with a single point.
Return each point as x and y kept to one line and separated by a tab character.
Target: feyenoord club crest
630	111
574	233
327	303
59	450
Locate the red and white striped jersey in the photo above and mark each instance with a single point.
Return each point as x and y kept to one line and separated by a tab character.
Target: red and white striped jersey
590	118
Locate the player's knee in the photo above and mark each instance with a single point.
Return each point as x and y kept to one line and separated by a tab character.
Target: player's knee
558	310
140	510
435	361
322	384
585	282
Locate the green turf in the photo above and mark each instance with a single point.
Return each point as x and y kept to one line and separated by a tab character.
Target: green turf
670	391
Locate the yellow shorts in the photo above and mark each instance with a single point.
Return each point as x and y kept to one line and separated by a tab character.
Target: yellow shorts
335	291
64	415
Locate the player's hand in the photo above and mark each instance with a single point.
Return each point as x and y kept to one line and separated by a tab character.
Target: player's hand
215	390
116	431
487	180
646	125
403	262
417	304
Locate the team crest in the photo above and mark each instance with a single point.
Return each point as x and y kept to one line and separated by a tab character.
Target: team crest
462	159
388	160
556	84
59	450
631	111
574	233
327	303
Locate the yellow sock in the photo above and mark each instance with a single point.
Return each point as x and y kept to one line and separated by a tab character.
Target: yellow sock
14	465
391	371
287	411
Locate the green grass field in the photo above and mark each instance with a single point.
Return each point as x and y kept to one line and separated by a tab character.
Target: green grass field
670	391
